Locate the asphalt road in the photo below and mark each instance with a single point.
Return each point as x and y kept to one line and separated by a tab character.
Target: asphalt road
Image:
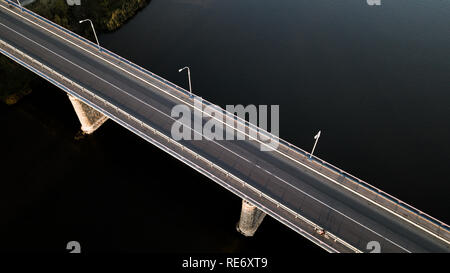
288	181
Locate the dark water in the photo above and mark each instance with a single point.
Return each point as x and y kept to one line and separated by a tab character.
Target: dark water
375	80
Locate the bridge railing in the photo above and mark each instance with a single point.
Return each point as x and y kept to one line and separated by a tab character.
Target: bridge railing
323	163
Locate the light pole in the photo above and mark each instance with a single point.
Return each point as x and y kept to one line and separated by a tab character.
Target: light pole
21	7
316	137
93	29
189	77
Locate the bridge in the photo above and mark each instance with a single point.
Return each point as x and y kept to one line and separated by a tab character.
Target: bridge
328	206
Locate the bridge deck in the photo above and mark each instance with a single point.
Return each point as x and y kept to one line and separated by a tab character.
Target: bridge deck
300	193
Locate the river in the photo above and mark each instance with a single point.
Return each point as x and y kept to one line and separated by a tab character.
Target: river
373	79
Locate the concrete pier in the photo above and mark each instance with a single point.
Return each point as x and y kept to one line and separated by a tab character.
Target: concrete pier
251	218
90	118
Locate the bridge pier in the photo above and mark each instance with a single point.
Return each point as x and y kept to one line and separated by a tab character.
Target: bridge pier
90	118
251	218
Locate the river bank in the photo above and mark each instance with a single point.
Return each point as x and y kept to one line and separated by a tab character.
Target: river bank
107	15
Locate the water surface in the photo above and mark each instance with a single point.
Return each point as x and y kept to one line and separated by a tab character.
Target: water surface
373	79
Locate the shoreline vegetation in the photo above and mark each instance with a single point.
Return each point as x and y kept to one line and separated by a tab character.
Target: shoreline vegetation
107	16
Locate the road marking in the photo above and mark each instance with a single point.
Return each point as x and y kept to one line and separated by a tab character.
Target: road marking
262	143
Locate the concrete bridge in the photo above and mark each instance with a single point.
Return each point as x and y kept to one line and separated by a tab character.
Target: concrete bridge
323	203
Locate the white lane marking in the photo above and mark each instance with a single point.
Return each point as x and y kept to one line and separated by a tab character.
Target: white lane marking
262	143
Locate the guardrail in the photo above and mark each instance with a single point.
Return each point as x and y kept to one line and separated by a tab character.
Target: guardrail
172	152
323	163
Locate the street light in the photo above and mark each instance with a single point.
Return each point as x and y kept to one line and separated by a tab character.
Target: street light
189	77
93	29
21	7
316	137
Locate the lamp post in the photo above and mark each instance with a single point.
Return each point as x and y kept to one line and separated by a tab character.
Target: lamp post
316	137
21	7
189	77
93	29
